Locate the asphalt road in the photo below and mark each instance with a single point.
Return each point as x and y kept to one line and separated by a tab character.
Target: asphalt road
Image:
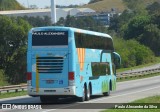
126	92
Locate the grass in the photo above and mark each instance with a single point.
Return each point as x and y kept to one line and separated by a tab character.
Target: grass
10	5
153	99
137	77
13	94
107	5
157	60
3	81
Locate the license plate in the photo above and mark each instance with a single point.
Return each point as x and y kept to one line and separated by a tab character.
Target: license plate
49	81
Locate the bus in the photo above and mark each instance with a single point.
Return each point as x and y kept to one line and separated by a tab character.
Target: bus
70	62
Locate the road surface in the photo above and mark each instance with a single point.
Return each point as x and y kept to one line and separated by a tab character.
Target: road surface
126	92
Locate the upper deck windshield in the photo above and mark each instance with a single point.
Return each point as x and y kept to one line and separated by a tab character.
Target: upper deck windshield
49	38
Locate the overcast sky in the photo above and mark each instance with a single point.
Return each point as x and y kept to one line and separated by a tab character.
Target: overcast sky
43	3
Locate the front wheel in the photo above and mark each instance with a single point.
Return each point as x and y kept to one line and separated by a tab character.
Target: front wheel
88	94
106	93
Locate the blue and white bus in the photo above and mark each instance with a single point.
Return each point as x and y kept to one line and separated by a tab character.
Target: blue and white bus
70	62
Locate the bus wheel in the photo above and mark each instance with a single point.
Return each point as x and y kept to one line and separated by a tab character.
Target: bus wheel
81	99
88	94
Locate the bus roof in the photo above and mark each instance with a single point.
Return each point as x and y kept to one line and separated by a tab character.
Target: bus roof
77	30
73	29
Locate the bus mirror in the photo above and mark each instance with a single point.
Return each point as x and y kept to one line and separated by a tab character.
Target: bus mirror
117	59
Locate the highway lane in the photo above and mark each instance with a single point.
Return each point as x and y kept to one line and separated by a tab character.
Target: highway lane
126	92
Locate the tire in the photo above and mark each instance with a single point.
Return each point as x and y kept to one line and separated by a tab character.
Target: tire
88	94
82	99
106	93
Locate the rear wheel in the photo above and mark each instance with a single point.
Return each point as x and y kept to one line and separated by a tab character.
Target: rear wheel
87	94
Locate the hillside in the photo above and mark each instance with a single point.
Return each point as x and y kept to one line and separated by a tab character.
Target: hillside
10	5
107	5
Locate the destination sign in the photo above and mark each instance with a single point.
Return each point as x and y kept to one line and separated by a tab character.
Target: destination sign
49	38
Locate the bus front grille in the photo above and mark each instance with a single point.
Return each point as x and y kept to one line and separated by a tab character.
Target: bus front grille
49	64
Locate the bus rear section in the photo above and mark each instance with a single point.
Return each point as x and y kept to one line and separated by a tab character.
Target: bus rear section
48	65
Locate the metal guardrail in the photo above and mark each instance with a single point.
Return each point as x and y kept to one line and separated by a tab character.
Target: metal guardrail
23	87
12	88
138	73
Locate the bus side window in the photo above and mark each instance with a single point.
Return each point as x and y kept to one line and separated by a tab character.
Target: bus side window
100	69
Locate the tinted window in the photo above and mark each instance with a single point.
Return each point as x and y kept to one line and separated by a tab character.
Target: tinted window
99	69
93	42
49	38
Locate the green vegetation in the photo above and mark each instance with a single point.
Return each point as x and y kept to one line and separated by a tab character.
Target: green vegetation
132	53
87	23
153	99
38	21
3	81
141	23
13	94
119	5
10	5
157	60
106	5
13	38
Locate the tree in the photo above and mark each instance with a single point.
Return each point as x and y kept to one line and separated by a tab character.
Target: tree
137	6
87	23
13	38
132	52
151	38
154	11
136	27
38	21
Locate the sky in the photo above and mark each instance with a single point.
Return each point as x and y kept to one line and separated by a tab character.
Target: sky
43	3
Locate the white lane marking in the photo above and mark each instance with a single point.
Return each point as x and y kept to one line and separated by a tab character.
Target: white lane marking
103	99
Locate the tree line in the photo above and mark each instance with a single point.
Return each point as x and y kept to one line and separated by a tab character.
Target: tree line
140	22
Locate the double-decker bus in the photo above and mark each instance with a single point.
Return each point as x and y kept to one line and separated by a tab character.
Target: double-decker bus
70	62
